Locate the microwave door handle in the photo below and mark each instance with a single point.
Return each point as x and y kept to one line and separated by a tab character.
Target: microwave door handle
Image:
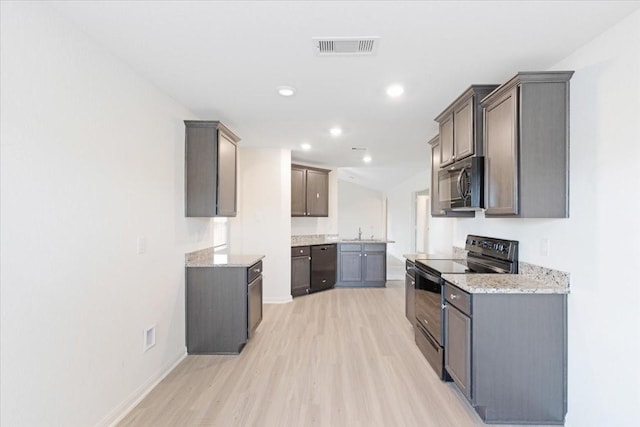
464	185
459	184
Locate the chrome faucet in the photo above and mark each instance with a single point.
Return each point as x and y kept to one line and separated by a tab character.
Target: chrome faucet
359	233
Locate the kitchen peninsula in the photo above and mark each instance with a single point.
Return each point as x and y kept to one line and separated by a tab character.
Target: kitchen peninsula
357	262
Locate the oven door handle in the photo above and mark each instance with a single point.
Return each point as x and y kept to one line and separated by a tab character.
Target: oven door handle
428	276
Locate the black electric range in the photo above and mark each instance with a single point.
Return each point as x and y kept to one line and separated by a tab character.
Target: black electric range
485	255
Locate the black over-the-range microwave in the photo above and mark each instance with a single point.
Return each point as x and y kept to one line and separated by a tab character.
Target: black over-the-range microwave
460	185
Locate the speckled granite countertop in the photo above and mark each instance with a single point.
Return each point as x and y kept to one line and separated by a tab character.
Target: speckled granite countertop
505	284
323	239
207	258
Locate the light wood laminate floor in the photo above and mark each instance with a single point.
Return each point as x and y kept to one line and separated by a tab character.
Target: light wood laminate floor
343	357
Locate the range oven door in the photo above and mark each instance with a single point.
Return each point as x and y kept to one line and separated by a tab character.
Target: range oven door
428	304
429	315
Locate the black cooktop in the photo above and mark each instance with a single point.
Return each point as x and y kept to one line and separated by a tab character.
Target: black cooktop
445	266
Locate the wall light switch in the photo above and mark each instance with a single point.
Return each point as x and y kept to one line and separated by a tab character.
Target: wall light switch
149	338
141	245
544	247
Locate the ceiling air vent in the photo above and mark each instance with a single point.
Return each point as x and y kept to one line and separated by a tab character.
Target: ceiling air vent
331	46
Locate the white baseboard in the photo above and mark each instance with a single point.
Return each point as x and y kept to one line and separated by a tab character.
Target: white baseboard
277	300
119	412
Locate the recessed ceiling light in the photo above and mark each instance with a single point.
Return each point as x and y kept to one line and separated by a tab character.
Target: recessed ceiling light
366	159
286	90
395	90
305	146
335	131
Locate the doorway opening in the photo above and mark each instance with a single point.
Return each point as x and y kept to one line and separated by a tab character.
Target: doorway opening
422	204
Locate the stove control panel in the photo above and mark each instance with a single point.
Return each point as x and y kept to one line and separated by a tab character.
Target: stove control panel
497	248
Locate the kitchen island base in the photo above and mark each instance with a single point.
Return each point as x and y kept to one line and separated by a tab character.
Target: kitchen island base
223	307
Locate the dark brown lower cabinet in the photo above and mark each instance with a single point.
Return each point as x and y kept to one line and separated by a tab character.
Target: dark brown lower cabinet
223	307
300	270
507	353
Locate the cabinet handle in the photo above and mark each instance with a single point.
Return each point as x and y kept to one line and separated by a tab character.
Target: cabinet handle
317	195
425	321
301	250
365	254
324	281
256	270
454	296
309	258
359	254
413	283
444	306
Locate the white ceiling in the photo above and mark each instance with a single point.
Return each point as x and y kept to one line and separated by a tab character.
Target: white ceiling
223	61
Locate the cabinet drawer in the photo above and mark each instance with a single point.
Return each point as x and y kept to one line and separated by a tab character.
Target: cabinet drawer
375	247
300	251
254	271
350	247
458	298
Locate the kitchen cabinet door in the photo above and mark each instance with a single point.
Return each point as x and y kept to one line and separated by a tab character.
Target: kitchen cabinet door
457	355
435	168
300	275
298	191
309	191
317	193
227	165
461	133
501	155
351	267
527	146
446	141
210	169
463	130
375	267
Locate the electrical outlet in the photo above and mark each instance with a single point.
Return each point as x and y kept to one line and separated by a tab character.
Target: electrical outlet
141	244
544	247
149	338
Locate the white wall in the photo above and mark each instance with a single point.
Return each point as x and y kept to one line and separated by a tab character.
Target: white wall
263	224
92	157
599	244
401	218
359	207
328	225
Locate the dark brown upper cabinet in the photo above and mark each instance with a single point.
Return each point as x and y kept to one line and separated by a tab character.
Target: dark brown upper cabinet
526	138
461	125
309	191
210	169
